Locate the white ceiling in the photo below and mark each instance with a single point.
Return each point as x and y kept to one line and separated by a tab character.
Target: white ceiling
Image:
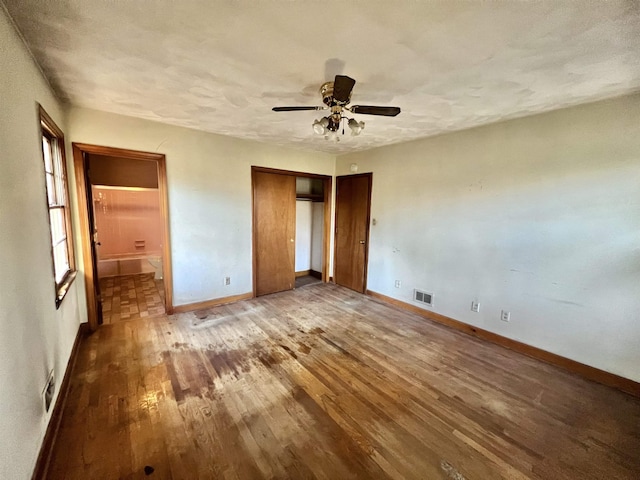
220	66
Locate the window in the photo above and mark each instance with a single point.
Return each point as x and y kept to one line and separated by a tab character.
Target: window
55	173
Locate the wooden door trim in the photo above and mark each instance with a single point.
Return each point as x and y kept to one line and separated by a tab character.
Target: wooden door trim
80	166
368	175
288	172
326	241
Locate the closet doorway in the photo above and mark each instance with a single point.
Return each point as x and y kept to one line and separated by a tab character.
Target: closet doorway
124	228
291	215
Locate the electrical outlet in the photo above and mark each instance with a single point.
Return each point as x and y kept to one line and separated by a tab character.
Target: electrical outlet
475	306
398	283
505	316
227	281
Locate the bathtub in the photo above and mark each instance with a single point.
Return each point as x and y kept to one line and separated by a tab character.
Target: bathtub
130	265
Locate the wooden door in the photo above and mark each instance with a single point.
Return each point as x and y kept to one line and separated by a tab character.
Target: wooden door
274	231
93	239
95	243
353	201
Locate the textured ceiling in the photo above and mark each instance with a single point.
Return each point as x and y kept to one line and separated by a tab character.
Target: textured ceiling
220	66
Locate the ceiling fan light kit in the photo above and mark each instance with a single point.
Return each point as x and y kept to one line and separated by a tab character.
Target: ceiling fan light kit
336	95
355	126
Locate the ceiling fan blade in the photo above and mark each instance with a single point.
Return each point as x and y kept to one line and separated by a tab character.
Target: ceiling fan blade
295	109
342	86
371	110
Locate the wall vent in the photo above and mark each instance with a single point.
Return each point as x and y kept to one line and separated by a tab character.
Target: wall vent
423	297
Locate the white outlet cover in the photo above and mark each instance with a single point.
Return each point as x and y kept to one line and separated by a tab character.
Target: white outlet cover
505	316
475	306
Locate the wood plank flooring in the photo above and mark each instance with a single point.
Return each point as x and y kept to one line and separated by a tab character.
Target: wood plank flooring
322	382
306	280
128	297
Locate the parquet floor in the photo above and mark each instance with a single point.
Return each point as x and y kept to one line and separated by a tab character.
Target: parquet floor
322	382
127	297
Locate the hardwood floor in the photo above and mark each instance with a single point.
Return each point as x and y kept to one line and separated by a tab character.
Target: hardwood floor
306	280
323	382
127	297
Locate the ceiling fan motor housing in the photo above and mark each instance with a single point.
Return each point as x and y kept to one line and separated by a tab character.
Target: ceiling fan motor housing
326	90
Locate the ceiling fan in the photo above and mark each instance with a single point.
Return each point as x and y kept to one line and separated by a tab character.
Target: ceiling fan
336	96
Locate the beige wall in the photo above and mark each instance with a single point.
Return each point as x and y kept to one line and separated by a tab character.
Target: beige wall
34	336
209	190
538	216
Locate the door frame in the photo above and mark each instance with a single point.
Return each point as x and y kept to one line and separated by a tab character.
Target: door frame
326	241
369	175
84	194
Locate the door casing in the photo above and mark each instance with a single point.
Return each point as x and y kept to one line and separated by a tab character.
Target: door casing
80	150
326	241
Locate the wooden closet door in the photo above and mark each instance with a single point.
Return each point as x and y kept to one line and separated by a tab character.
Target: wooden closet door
274	231
353	200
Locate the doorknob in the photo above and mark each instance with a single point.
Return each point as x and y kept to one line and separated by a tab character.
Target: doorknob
291	240
361	242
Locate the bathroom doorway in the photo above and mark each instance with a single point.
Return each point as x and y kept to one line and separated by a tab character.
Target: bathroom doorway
129	243
125	233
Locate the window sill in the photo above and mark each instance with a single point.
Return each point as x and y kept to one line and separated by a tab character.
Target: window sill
63	288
